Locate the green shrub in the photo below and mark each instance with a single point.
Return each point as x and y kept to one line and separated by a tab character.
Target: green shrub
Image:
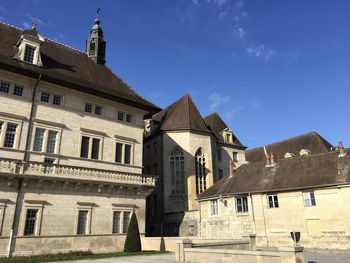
133	241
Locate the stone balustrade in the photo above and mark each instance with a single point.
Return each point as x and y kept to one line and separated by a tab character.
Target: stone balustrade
71	172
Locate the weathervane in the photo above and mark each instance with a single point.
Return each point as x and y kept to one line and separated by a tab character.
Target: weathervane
98	13
33	24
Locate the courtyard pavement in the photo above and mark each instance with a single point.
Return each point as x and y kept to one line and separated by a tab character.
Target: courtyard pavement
310	257
161	258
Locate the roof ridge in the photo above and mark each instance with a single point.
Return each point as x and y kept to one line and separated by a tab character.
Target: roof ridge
46	38
284	140
196	109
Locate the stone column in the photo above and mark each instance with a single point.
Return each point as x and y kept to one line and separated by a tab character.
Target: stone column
180	248
292	254
252	241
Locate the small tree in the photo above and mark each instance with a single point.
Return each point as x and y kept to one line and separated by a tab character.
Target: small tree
133	241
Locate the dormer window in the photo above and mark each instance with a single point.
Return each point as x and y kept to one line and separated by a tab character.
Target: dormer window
304	152
29	54
29	46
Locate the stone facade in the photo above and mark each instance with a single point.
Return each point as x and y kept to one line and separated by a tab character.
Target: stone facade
170	213
70	164
324	225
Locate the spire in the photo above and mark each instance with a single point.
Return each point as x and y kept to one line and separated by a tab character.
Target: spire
95	44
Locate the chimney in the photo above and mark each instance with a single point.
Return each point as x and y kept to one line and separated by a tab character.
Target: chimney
267	158
341	149
272	160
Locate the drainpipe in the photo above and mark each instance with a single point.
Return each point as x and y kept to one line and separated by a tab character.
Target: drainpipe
263	209
25	160
253	214
31	122
19	187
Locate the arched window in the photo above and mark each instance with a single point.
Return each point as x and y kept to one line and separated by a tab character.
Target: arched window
92	48
201	173
177	172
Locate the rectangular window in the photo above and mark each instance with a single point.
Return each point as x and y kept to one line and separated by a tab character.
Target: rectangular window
10	135
219	154
29	54
221	174
235	157
4	87
127	153
84	151
98	110
51	141
118	152
57	99
214	207
29	227
309	199
273	201
48	164
126	220
82	222
18	91
228	137
45	97
242	204
116	222
38	139
128	118
120	116
155	147
88	107
95	148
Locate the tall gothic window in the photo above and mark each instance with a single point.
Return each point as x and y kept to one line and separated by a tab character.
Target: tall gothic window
201	174
177	172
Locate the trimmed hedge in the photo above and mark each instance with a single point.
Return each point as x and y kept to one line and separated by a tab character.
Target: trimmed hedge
133	241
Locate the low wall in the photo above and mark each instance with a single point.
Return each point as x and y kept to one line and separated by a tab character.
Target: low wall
186	251
36	245
240	256
154	243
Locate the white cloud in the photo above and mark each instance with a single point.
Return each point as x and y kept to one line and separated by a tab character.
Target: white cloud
239	31
253	103
220	3
216	99
26	25
36	20
61	35
228	115
260	51
196	2
2	18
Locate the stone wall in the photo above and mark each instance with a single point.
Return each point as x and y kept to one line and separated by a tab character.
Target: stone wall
320	226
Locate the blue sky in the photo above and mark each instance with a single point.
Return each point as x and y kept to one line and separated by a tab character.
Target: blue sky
272	69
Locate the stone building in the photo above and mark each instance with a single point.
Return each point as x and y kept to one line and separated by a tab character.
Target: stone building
303	186
71	139
189	154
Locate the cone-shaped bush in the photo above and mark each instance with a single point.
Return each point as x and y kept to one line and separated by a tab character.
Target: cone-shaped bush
133	241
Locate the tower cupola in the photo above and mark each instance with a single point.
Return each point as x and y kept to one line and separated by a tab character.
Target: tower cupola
95	45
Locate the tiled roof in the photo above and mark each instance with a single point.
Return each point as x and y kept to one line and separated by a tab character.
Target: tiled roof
310	141
217	125
181	115
69	67
302	172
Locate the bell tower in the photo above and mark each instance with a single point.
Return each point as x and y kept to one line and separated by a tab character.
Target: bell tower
95	45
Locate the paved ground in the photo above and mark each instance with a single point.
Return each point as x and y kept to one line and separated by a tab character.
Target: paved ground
310	257
326	257
160	258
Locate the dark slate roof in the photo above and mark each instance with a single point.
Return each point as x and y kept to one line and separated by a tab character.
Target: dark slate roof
181	115
69	67
302	172
311	141
215	123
